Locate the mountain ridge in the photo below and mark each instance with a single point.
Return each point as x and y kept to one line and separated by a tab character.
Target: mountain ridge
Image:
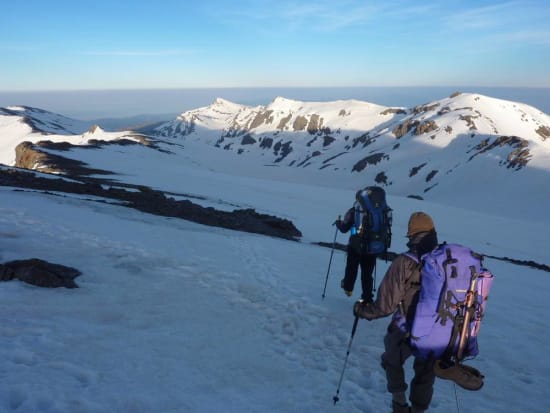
389	144
451	150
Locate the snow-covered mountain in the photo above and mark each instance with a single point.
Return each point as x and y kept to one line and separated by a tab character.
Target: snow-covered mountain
452	151
23	123
42	121
460	144
353	135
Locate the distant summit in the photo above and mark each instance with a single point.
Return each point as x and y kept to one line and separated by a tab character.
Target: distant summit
412	151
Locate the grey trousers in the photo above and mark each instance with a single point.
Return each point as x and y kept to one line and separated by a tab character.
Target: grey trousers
397	351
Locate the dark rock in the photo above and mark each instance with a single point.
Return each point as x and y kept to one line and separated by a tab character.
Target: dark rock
283	122
396	111
155	202
248	140
29	156
516	159
40	273
544	132
266	143
425	127
369	160
314	124
261	118
404	128
469	119
415	169
300	123
424	108
381	178
327	140
430	176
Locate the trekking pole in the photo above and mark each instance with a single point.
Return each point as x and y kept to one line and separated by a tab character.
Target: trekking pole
336	398
331	254
374	278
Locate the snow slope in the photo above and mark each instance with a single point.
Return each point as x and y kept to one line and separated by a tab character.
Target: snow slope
173	316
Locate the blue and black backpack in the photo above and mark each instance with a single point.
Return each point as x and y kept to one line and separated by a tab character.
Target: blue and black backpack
372	221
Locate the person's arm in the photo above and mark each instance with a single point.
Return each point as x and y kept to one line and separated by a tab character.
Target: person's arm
345	224
390	292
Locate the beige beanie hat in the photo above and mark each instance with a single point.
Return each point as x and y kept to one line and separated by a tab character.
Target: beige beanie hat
419	222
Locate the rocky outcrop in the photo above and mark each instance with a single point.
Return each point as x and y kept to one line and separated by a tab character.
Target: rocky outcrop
402	129
394	111
261	118
424	108
425	127
282	150
516	159
36	156
29	156
40	273
469	119
156	202
543	132
248	140
369	160
415	169
300	123
381	178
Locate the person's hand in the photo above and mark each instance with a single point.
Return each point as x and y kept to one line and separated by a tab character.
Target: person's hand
364	310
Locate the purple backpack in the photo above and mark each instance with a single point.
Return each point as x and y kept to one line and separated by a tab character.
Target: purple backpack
454	289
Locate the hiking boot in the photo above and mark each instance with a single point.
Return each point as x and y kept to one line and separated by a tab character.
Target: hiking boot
400	408
466	377
347	292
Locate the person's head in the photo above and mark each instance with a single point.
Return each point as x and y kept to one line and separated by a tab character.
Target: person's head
419	222
421	233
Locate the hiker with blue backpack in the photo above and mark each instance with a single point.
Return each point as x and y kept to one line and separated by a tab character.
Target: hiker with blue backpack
437	295
369	223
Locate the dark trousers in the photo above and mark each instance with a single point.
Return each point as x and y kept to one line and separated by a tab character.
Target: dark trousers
397	351
353	262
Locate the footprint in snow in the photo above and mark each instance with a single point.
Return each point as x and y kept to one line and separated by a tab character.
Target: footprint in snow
23	357
83	376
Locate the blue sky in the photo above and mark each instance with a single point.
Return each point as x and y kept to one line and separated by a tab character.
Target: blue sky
119	44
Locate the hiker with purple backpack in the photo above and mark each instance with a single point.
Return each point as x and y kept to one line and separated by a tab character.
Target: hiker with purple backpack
398	290
437	296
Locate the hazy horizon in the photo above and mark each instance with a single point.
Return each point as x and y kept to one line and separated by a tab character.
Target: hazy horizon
96	104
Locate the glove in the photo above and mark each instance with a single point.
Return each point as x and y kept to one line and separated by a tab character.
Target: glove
364	310
338	224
